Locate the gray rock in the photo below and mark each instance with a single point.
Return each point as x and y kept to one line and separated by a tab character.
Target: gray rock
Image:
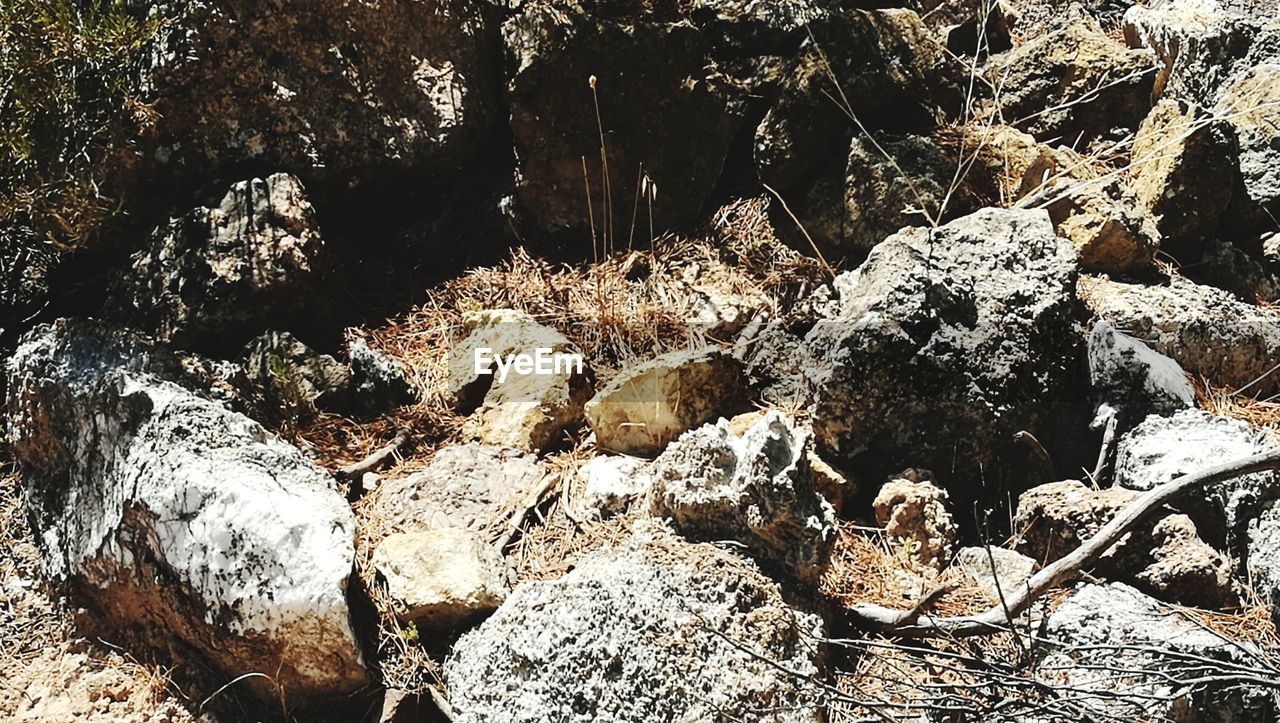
1261	554
464	485
937	346
756	489
1229	268
1009	573
441	579
379	382
1126	655
914	513
1210	333
352	98
1252	106
1074	83
1132	380
227	273
293	377
181	521
655	628
612	483
658	110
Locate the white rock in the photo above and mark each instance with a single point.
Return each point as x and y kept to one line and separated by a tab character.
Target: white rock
612	483
443	578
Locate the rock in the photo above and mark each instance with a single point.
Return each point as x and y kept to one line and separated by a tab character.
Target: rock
1107	224
380	382
531	412
1162	449
1231	269
1182	175
883	186
892	72
1261	554
914	513
643	89
755	488
1006	165
1010	571
1252	106
1127	655
1074	83
503	332
294	377
644	407
464	485
1201	46
1165	557
829	482
181	521
936	345
1210	333
653	628
1132	380
368	96
971	27
441	579
612	483
400	706
255	261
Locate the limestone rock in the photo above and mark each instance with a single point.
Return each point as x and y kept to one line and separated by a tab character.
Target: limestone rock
612	483
1131	379
1229	268
1209	332
653	628
755	488
914	513
352	98
1252	106
502	332
466	485
1128	655
644	407
229	272
530	412
379	382
292	375
1009	573
441	579
935	346
1182	175
1111	230
658	111
1074	83
971	27
177	519
829	482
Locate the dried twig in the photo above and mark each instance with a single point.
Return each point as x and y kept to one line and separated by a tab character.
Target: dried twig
996	619
531	501
375	460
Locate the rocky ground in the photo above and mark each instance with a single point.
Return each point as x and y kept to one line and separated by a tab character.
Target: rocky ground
928	371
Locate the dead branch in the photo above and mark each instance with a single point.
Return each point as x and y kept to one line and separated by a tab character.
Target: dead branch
531	501
375	460
997	618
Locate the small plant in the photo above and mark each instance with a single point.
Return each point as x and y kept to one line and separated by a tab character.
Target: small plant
410	633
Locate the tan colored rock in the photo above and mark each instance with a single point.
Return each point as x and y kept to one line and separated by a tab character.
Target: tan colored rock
1007	163
1187	569
645	407
441	579
1181	173
1107	225
503	331
914	512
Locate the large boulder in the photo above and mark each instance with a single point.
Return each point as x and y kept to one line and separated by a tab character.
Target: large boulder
1213	335
226	273
654	628
1252	106
580	81
1074	83
755	488
1125	655
178	520
351	97
946	343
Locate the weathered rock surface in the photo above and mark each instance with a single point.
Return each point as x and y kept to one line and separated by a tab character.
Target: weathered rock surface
1210	333
1126	654
612	483
441	579
503	332
642	88
1230	268
350	97
227	273
1182	174
465	485
379	381
1009	573
654	628
937	343
1252	106
645	407
755	488
1132	380
913	512
1110	228
178	519
1165	557
292	375
1074	83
